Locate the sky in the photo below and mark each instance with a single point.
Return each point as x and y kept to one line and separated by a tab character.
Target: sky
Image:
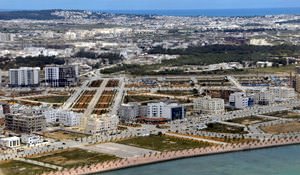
144	4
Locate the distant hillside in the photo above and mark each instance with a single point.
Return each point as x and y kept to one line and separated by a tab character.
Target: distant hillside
34	15
51	14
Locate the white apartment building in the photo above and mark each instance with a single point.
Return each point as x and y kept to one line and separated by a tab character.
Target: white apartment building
240	100
265	97
10	142
63	117
31	140
283	93
208	105
99	124
24	77
170	111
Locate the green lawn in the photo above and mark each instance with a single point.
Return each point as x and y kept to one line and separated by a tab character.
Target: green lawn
177	92
74	158
282	69
21	168
285	114
140	98
163	143
52	99
221	128
249	120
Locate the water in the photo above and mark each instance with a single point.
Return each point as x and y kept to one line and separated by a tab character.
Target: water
212	12
273	161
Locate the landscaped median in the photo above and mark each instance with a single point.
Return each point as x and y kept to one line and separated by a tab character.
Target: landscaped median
173	155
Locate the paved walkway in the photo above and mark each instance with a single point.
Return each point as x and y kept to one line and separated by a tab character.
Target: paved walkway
39	163
196	138
119	150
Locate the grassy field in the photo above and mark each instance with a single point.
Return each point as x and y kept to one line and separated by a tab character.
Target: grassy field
249	120
177	93
163	143
51	99
221	128
63	135
140	98
74	158
20	168
285	114
282	128
282	69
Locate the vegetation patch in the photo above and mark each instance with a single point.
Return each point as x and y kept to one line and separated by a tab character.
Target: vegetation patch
164	143
282	128
221	128
74	158
21	168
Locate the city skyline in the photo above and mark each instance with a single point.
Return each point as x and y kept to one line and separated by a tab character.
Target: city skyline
145	4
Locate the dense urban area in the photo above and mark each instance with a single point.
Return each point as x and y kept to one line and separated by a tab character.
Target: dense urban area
85	91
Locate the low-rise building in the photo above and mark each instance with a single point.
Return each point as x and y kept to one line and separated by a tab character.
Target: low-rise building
208	105
240	100
169	111
265	97
22	123
283	93
100	124
63	117
31	140
10	142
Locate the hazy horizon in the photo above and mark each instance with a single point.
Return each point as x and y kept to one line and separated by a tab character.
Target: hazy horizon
146	4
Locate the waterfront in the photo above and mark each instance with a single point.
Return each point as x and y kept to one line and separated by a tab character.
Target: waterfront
273	161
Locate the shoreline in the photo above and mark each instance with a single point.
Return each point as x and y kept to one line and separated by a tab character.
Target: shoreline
175	155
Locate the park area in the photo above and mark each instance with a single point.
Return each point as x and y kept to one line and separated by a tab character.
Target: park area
249	120
74	158
51	99
285	114
63	135
222	128
163	143
282	128
21	168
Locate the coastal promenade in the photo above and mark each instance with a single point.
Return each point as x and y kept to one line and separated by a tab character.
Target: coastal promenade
173	155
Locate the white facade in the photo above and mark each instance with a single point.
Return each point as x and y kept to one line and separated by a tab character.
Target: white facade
24	76
283	93
239	100
264	97
31	140
98	124
163	110
64	117
209	105
52	73
10	142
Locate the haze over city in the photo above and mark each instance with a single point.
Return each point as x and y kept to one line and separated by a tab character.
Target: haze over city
145	4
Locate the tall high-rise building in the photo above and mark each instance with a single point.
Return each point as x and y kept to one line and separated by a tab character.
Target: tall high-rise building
61	76
24	77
